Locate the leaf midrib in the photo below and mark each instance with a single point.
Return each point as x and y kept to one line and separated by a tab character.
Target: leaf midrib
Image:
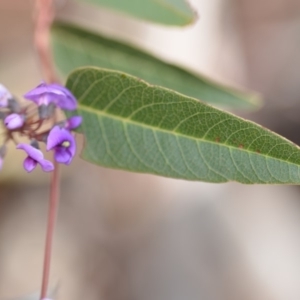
175	133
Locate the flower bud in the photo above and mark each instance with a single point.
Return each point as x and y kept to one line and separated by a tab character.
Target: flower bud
73	122
14	121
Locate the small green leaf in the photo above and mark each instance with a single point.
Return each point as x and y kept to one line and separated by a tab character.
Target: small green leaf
131	125
167	12
74	47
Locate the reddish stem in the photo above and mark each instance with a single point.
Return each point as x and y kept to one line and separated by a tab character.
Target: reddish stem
44	11
52	214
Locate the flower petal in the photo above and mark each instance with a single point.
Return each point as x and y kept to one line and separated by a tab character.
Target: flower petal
66	103
55	93
66	99
42	89
63	156
34	153
73	122
46	165
57	136
29	164
40	95
14	121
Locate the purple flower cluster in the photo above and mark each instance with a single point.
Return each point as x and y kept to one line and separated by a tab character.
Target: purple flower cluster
46	99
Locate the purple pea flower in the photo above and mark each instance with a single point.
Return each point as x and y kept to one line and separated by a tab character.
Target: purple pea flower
63	143
73	122
44	94
4	96
34	157
14	121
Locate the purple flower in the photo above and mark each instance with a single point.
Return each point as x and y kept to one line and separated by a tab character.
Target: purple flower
14	121
63	143
4	96
44	94
34	157
73	122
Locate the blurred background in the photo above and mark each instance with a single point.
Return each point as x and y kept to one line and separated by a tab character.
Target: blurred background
126	236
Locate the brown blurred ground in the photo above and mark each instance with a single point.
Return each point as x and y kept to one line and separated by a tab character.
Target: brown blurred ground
124	236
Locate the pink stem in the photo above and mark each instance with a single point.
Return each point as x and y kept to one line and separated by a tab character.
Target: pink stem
44	15
44	11
52	213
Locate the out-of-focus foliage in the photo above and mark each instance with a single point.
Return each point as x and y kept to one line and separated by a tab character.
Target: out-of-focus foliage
74	47
167	12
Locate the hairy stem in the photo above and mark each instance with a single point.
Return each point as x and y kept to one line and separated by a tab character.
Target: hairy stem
52	213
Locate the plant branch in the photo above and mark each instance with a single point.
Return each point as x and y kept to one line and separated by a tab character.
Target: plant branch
44	15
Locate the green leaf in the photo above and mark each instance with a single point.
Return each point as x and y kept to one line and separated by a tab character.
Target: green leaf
74	47
167	12
131	125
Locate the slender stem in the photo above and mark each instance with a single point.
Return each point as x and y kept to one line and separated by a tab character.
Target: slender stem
52	214
44	15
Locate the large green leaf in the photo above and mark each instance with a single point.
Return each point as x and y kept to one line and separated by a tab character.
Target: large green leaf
131	125
168	12
74	47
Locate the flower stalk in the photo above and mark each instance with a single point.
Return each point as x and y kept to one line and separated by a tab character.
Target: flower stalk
52	215
44	18
44	15
37	121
